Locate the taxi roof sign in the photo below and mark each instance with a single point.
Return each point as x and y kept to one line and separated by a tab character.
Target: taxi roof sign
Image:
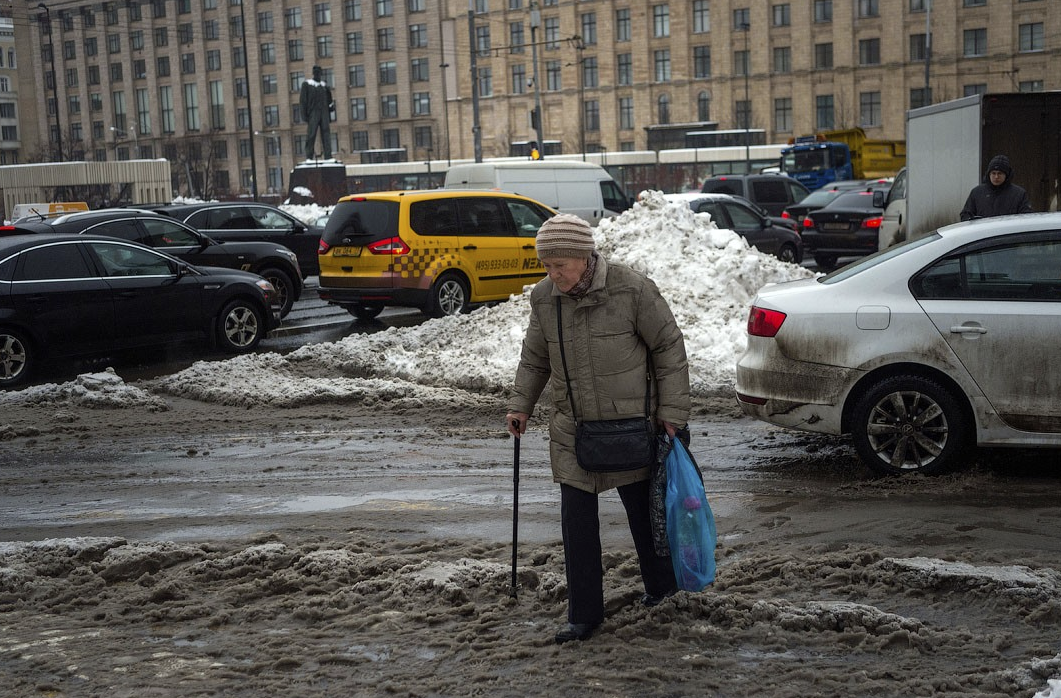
49	210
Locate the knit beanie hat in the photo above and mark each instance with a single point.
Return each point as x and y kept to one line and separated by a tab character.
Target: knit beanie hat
565	235
1001	163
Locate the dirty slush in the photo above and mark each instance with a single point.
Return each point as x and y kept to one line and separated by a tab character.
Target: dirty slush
363	549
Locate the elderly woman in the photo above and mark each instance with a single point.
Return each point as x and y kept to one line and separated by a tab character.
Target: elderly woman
615	327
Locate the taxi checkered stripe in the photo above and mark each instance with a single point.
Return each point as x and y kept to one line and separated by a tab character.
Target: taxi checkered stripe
421	261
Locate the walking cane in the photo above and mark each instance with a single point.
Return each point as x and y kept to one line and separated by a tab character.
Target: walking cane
515	505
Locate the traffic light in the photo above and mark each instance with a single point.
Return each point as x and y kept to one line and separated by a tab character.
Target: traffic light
534	118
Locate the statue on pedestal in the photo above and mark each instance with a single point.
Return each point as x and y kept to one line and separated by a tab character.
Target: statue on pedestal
316	103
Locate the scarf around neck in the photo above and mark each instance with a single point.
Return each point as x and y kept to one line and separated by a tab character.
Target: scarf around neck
581	287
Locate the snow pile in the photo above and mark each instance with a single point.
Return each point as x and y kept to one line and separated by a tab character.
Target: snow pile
103	389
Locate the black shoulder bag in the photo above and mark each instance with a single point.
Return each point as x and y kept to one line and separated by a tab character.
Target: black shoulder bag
610	445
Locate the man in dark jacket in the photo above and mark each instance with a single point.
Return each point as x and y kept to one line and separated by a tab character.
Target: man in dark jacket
997	196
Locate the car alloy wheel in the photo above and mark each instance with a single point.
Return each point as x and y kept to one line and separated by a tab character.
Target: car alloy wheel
449	296
906	424
241	327
285	292
15	358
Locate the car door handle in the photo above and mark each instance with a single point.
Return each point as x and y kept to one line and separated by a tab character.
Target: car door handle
128	294
528	247
471	247
968	329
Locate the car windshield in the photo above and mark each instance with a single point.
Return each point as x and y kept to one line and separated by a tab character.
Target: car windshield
805	160
874	259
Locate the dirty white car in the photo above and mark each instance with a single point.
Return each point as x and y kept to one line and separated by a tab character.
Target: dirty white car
920	350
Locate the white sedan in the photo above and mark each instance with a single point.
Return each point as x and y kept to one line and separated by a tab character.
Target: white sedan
920	350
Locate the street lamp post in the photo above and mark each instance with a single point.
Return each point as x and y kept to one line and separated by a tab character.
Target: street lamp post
746	28
250	107
581	96
535	22
55	79
477	133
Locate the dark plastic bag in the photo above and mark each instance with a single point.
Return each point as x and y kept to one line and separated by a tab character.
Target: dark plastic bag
690	522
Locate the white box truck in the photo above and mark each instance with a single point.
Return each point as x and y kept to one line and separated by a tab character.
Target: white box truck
581	188
949	146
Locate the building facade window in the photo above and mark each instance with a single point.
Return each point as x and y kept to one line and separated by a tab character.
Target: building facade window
974	42
385	39
1031	37
388	107
781	15
701	62
358	109
918	48
869	109
823	11
869	52
624	69
355	43
591	115
661	61
486	82
322	13
589	29
418	36
191	107
660	21
742	18
388	73
823	56
703	106
783	59
824	112
516	37
552	76
663	109
783	114
420	70
701	17
590	73
519	79
622	25
742	113
868	8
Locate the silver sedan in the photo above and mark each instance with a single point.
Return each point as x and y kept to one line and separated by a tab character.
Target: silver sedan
921	350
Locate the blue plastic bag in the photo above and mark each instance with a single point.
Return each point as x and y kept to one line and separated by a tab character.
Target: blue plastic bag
690	522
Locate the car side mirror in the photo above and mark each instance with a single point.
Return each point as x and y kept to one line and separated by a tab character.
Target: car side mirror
878	198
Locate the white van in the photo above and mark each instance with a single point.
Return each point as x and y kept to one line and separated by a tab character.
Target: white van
581	188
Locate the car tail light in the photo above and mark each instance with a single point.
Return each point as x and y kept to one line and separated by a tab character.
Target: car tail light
872	222
763	322
785	214
808	222
394	246
323	247
751	400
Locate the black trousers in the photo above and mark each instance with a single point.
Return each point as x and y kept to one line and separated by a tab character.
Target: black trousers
582	550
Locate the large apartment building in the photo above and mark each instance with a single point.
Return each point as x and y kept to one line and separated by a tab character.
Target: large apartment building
213	85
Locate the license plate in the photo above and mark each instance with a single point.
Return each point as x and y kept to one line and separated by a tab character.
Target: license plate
835	227
347	252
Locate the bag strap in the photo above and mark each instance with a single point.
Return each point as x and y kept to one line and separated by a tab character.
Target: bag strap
567	378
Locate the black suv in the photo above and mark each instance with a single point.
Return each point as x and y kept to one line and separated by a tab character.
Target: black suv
91	295
272	261
247	220
773	192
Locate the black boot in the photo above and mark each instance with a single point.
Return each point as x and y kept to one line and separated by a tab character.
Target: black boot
575	631
651	600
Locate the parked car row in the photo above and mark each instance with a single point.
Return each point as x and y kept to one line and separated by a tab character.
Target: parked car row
64	295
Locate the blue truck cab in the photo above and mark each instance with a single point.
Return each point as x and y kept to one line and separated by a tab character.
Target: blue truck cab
815	163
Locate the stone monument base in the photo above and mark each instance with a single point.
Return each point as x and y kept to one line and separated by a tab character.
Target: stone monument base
317	182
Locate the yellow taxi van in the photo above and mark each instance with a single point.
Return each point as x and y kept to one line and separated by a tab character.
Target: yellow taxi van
441	251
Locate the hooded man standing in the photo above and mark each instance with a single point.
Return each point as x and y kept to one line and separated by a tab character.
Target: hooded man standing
997	196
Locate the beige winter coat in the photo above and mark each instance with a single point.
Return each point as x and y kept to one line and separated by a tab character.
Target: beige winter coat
607	336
